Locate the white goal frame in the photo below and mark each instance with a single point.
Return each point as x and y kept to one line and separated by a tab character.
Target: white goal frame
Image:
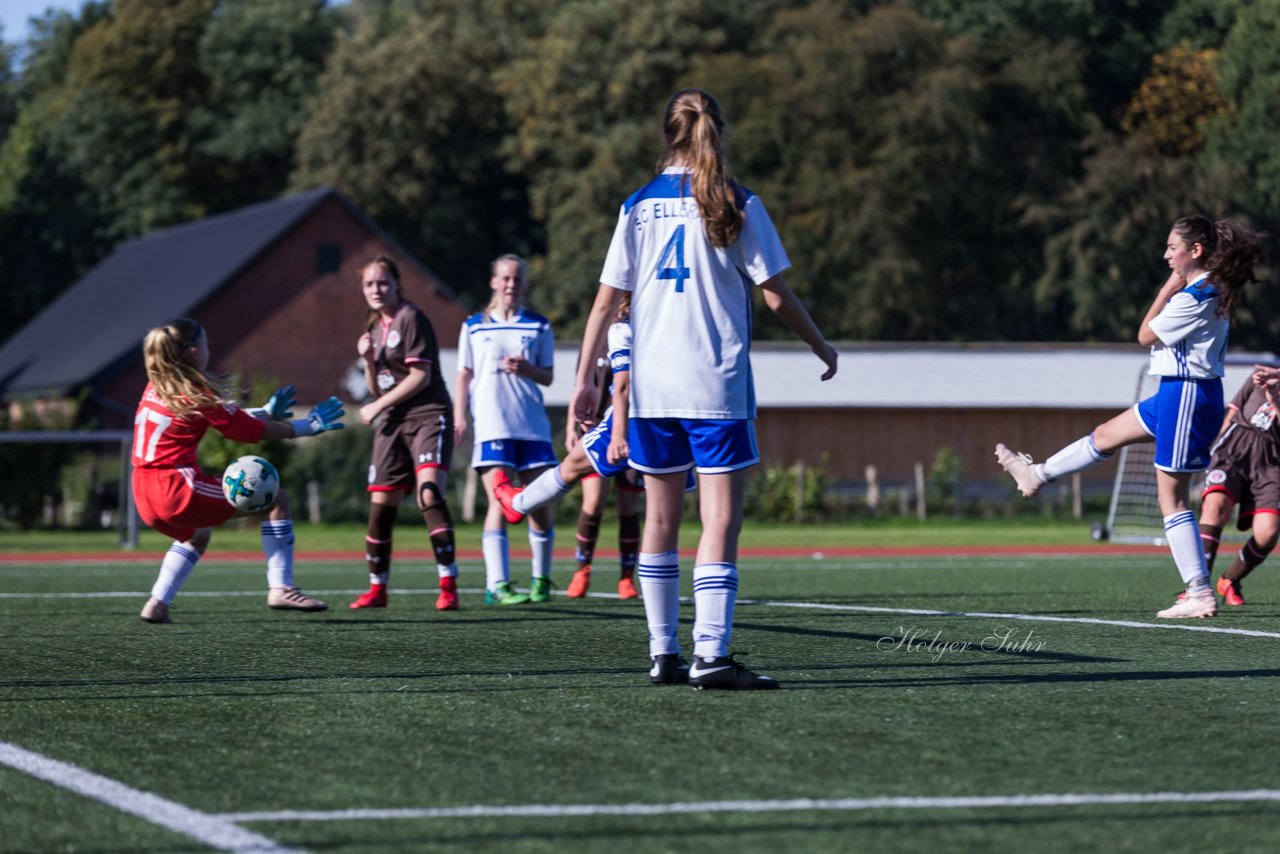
127	518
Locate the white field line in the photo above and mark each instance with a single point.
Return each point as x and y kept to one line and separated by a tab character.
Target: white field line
1182	625
1177	625
795	805
212	830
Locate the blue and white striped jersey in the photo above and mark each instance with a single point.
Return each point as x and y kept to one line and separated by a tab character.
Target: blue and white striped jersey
504	406
1193	338
691	304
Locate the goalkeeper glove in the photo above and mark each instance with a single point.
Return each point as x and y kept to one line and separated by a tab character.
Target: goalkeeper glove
279	407
324	417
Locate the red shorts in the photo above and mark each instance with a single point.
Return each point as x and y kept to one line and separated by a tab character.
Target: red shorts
177	501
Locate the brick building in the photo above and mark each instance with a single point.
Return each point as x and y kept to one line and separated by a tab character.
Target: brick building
273	283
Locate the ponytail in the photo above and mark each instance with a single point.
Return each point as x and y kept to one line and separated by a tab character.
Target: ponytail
1230	249
694	130
173	372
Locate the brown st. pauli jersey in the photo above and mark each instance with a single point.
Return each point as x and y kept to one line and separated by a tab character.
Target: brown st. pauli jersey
407	341
1255	412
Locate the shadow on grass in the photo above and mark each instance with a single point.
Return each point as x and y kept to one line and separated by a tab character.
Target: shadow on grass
754	835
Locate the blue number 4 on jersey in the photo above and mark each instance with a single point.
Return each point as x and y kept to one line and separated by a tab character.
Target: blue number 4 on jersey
677	271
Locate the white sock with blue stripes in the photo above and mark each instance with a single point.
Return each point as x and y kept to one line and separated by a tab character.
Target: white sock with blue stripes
178	562
542	543
659	574
715	592
1183	535
546	488
1078	456
497	559
277	545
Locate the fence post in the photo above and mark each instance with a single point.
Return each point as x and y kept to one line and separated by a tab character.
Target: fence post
313	502
1077	498
873	490
800	491
920	510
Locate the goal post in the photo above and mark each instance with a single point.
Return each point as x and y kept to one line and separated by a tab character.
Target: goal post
127	517
1134	515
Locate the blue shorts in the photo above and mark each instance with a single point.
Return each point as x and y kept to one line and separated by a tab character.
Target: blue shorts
1184	417
518	454
596	444
713	446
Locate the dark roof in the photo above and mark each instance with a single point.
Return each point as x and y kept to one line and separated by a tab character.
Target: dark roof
102	318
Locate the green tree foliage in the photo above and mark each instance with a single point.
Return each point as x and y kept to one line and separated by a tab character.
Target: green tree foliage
939	169
408	124
262	61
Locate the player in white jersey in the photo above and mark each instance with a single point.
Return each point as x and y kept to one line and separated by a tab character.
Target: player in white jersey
504	354
692	246
1186	329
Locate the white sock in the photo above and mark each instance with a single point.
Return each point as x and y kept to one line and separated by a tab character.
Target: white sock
497	559
541	542
450	571
1183	535
1078	456
379	578
174	569
715	591
660	587
546	488
277	545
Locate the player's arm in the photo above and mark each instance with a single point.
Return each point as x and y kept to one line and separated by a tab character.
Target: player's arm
619	450
586	396
783	302
522	367
1147	336
417	380
461	400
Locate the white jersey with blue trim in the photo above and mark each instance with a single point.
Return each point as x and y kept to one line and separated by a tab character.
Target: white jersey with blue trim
1193	338
503	405
692	301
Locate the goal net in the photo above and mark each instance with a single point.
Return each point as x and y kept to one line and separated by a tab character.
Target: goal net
1135	515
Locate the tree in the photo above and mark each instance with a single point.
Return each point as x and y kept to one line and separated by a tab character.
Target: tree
408	124
262	62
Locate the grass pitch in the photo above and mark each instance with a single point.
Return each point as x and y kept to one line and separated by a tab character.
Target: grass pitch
944	703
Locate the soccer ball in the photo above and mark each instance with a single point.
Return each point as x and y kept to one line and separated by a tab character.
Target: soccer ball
251	484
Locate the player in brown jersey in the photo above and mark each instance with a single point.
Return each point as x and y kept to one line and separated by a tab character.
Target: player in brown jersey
1245	470
412	415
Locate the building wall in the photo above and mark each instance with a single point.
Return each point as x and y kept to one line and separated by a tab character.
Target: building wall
894	440
282	317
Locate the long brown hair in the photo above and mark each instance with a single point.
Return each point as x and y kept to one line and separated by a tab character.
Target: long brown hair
693	127
387	263
168	354
1230	251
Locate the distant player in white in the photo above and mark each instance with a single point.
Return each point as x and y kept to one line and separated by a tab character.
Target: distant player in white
505	353
692	245
1186	329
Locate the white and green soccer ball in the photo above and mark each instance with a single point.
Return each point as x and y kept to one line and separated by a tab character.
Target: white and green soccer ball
251	484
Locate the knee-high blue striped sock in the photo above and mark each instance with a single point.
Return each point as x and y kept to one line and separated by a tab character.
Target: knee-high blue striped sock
178	562
715	592
277	545
659	574
1183	535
